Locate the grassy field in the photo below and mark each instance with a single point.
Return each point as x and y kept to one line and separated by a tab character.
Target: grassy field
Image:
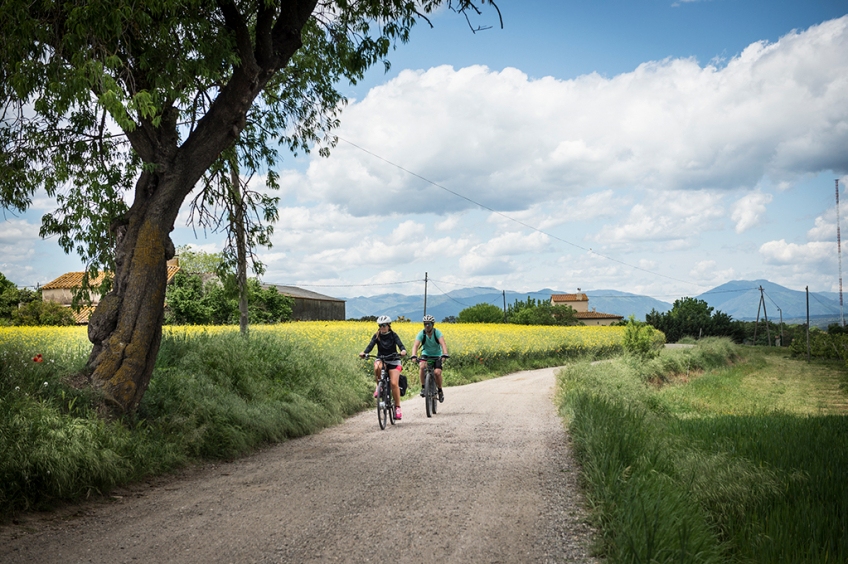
689	458
215	395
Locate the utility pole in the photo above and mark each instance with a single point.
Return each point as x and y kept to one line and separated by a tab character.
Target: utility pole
839	253
765	316
504	300
425	293
808	323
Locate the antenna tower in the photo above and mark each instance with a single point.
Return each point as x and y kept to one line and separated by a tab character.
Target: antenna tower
839	252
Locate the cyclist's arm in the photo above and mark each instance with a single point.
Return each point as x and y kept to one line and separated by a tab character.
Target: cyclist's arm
415	347
400	345
371	344
444	346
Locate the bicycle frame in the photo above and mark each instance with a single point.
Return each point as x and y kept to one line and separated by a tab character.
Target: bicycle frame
431	396
385	399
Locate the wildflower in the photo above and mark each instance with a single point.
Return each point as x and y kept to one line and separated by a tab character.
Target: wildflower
37	358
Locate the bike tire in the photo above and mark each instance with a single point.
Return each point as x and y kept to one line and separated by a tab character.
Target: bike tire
390	402
382	412
428	393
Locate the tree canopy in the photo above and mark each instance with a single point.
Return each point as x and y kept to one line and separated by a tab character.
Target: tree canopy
481	313
693	318
118	109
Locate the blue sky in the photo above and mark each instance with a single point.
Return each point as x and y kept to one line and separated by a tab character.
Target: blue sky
653	147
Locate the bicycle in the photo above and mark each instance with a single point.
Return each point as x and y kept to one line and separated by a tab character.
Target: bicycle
431	391
385	400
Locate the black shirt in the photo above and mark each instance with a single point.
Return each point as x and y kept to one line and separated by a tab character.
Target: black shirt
387	344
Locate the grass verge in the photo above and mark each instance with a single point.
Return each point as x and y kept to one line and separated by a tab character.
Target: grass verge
690	459
213	395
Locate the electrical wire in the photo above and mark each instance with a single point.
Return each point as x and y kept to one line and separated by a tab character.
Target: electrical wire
519	222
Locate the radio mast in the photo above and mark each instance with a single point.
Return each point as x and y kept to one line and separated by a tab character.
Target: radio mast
839	252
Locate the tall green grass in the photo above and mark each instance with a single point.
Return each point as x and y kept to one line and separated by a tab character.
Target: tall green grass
673	478
210	397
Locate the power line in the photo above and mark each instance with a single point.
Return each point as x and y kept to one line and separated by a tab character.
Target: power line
528	226
346	285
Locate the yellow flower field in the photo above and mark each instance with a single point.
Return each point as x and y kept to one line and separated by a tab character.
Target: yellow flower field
465	341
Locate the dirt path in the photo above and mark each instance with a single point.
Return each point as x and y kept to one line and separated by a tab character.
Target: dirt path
488	479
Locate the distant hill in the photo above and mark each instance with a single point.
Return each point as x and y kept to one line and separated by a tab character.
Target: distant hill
741	298
451	303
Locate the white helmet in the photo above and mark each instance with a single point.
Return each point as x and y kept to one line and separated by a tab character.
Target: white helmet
383	320
429	319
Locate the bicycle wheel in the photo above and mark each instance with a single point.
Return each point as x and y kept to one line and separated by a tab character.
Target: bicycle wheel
428	392
390	402
382	411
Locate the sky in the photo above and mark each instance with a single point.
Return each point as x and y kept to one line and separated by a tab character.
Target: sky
658	147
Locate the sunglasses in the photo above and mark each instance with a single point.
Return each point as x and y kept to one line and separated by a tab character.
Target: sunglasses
384	324
428	325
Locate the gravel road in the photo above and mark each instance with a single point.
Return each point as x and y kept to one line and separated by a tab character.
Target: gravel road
490	478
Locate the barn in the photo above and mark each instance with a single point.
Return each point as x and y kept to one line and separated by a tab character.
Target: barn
312	306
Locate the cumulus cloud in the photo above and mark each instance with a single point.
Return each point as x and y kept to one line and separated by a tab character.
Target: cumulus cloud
17	240
749	210
783	253
675	219
777	110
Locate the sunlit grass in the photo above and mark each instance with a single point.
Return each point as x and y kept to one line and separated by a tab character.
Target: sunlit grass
712	462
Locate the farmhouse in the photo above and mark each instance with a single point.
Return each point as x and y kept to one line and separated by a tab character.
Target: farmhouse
312	306
580	304
61	290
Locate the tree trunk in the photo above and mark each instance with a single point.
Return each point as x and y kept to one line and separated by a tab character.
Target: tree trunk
237	226
126	327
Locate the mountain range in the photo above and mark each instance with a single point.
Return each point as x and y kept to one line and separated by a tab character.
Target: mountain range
741	299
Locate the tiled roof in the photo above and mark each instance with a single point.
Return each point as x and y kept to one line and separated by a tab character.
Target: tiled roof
82	316
569	298
73	280
597	315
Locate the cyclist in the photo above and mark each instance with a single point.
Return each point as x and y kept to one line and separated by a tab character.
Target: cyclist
432	344
388	342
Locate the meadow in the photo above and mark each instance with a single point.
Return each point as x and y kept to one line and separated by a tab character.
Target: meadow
713	454
215	395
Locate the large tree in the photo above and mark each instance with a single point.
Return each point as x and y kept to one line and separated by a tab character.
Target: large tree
107	101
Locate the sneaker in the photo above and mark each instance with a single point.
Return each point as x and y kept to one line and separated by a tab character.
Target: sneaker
398	414
441	396
422	393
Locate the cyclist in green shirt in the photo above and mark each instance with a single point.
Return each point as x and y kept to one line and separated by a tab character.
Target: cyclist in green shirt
432	344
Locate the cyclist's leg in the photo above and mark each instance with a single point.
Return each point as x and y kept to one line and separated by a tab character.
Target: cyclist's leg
378	365
437	370
394	375
422	365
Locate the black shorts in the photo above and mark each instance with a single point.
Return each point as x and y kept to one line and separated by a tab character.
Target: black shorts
435	361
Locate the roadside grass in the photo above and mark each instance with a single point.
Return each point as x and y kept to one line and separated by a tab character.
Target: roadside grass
214	395
689	458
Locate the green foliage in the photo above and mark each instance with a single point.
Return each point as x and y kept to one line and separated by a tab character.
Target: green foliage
702	485
199	262
540	312
642	340
481	313
38	312
71	73
190	302
694	318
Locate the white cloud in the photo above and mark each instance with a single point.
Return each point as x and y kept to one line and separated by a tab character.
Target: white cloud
777	110
749	210
17	241
792	254
825	228
676	219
